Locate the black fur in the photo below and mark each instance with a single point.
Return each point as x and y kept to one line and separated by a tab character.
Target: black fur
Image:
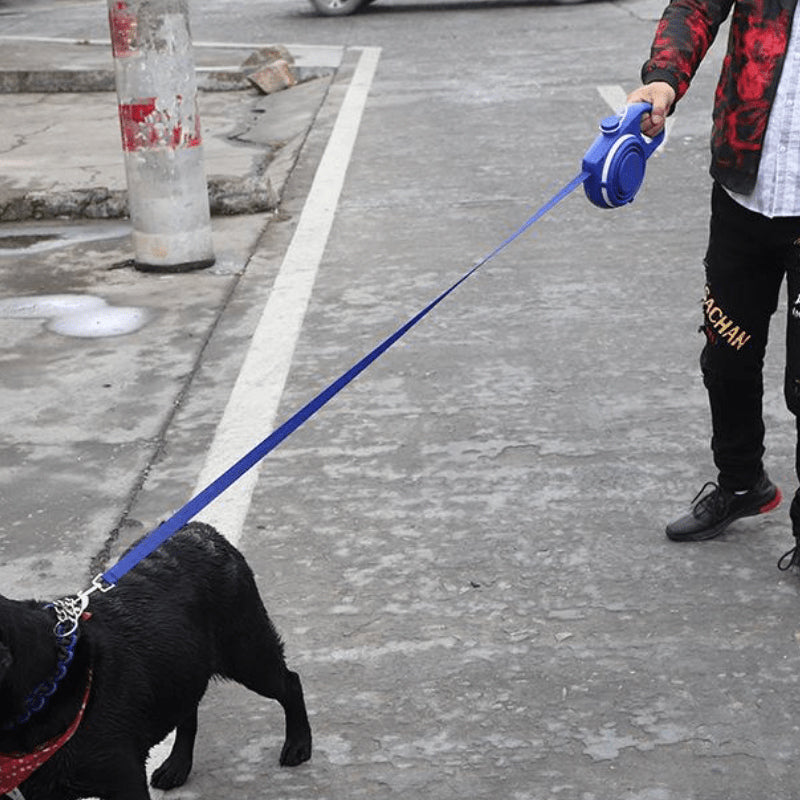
187	613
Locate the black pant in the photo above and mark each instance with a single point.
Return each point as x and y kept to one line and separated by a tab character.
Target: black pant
748	255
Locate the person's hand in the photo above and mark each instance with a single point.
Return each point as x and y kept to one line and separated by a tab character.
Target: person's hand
661	96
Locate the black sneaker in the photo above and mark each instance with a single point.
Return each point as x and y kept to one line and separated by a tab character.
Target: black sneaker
714	508
792	558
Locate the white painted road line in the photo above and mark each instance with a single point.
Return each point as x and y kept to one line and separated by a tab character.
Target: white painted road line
253	404
614	95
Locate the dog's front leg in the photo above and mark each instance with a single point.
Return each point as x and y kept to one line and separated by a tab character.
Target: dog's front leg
127	782
176	768
136	791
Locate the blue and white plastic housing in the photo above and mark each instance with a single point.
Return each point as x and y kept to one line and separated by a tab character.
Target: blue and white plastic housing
617	158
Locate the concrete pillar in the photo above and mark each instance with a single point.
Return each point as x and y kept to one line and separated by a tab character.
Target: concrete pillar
157	96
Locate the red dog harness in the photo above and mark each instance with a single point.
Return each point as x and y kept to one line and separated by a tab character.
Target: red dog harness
18	767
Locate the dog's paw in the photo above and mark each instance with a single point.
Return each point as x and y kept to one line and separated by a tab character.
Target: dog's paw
171	774
296	752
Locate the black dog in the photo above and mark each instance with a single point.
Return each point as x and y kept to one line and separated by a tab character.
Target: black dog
189	612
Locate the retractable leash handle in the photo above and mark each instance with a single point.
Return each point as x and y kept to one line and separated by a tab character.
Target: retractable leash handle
615	162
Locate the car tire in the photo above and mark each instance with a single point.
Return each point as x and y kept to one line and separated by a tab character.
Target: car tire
337	8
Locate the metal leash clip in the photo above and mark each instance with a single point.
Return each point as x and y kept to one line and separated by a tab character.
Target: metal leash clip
99	584
69	610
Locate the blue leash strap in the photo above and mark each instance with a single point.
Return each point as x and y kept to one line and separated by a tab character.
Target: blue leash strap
160	534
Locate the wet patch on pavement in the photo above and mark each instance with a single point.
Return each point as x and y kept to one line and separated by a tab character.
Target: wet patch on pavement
26	239
79	315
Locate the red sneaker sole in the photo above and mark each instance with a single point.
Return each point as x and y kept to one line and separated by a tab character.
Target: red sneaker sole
774	503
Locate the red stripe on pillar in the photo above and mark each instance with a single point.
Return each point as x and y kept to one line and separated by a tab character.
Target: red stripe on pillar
145	127
124	30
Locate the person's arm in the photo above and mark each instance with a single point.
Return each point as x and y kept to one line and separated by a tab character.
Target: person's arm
683	36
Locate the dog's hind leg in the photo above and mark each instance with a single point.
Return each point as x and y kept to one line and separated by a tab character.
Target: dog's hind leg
256	661
281	684
177	766
297	747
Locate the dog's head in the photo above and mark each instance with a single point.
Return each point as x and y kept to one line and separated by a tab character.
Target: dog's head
23	629
6	636
5	661
23	626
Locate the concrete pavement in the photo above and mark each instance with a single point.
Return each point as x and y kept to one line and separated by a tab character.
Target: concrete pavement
465	551
251	141
64	246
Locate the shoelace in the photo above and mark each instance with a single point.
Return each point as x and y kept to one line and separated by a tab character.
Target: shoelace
791	558
715	499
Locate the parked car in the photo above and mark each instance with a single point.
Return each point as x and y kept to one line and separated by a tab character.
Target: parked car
338	8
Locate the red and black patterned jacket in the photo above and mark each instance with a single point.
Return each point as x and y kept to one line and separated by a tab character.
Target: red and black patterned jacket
749	79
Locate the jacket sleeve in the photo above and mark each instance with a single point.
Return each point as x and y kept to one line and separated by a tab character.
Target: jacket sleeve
683	36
